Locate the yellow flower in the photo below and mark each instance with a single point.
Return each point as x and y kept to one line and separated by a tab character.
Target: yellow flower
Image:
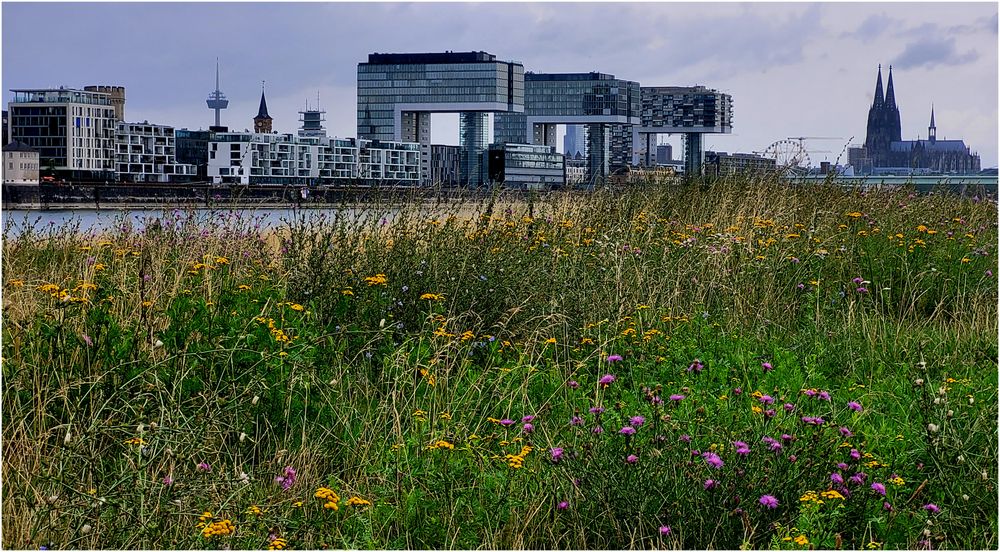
277	544
255	510
218	528
550	341
831	494
445	416
324	493
432	297
297	307
357	501
221	260
377	280
855	214
801	540
331	506
966	260
135	441
873	545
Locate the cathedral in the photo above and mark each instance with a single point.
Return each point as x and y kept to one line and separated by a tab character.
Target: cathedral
885	151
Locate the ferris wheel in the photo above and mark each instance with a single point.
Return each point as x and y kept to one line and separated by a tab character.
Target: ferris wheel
788	155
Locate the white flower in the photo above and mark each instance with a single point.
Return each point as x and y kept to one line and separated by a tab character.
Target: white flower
69	437
971	400
244	477
157	344
932	428
951	413
243	436
86	528
919	382
965	497
937	400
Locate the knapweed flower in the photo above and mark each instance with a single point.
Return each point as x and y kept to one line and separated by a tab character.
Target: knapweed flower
766	366
842	465
287	478
932	508
837	478
203	466
636	421
789	407
576	421
810	392
676	398
557	453
686	438
613	358
506	422
766	399
787	438
627	430
664	530
738	391
599	430
846	432
696	366
859	478
528	428
168	480
596	409
769	501
741	448
854	405
879	488
887	506
711	484
824	396
527	418
855	454
563	505
573	384
713	460
606	380
632	459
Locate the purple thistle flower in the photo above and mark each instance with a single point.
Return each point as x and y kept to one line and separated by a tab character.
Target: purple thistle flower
854	405
887	506
632	459
506	422
573	384
862	289
576	421
824	396
563	505
858	280
809	393
837	478
287	479
696	366
527	418
627	430
528	428
606	380
677	398
879	488
846	432
204	466
556	454
932	508
767	367
859	478
711	484
598	430
855	454
766	399
636	421
742	448
769	501
596	409
614	358
842	465
713	460
168	480
789	407
786	437
686	438
664	530
793	458
738	391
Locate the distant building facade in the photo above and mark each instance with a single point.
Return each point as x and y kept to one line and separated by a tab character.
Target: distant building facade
722	163
664	154
191	147
575	141
147	153
20	164
262	122
445	165
885	152
72	130
526	167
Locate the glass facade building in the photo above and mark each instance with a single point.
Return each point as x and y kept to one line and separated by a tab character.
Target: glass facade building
397	93
688	110
596	100
526	167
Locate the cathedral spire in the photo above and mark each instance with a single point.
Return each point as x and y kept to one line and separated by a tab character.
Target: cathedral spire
878	89
890	94
932	130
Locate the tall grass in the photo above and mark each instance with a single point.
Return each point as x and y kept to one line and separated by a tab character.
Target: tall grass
158	379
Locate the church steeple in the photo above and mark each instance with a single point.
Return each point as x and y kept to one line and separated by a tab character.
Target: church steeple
892	120
932	130
878	90
262	122
890	95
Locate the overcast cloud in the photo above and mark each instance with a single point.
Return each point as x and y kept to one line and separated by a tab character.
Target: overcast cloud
793	69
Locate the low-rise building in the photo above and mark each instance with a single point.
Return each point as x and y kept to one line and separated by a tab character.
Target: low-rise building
146	153
722	163
526	167
20	164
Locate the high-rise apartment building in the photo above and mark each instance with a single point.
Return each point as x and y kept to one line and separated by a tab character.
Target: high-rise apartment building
147	153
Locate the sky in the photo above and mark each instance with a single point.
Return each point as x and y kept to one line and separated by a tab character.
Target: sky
793	69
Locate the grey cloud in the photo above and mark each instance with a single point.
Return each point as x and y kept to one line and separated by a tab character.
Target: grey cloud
871	28
931	52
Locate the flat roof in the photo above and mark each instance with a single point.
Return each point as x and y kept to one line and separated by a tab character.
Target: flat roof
593	76
432	57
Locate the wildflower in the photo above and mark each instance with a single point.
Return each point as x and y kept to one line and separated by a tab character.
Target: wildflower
887	506
627	430
879	488
506	422
932	508
287	478
686	438
596	409
858	478
855	406
377	280
168	480
809	392
277	544
563	505
203	466
789	407
713	460
769	501
613	358
358	501
606	380
766	399
933	428
527	418
855	454
664	530
824	396
636	421
550	341
710	484
557	453
576	421
573	384
528	428
837	478
696	366
738	391
741	448
676	398
842	465
767	367
846	432
599	430
632	459
224	527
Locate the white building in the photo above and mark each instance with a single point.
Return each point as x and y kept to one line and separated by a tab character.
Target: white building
73	130
279	159
20	164
146	153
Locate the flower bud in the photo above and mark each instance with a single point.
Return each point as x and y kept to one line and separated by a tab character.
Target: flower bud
932	428
965	497
86	528
951	413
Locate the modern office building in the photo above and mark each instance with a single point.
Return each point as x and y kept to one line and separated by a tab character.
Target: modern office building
286	159
595	100
146	153
722	163
72	130
398	92
575	140
689	110
445	165
312	121
20	164
526	167
191	148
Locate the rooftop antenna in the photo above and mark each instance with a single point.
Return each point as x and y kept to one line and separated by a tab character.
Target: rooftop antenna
217	100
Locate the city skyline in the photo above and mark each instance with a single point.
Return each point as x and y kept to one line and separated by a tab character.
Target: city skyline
793	70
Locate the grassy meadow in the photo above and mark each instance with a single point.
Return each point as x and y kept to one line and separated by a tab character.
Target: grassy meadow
740	365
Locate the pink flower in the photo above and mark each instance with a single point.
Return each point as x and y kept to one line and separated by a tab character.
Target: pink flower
573	384
769	501
789	407
710	484
506	422
696	366
677	398
664	530
824	396
598	430
87	340
686	438
636	421
563	505
767	367
527	418
879	488
287	478
576	421
528	428
606	380
627	430
837	478
932	508
632	459
713	460
614	358
596	409
846	432
766	399
203	466
168	480
855	454
855	406
556	454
